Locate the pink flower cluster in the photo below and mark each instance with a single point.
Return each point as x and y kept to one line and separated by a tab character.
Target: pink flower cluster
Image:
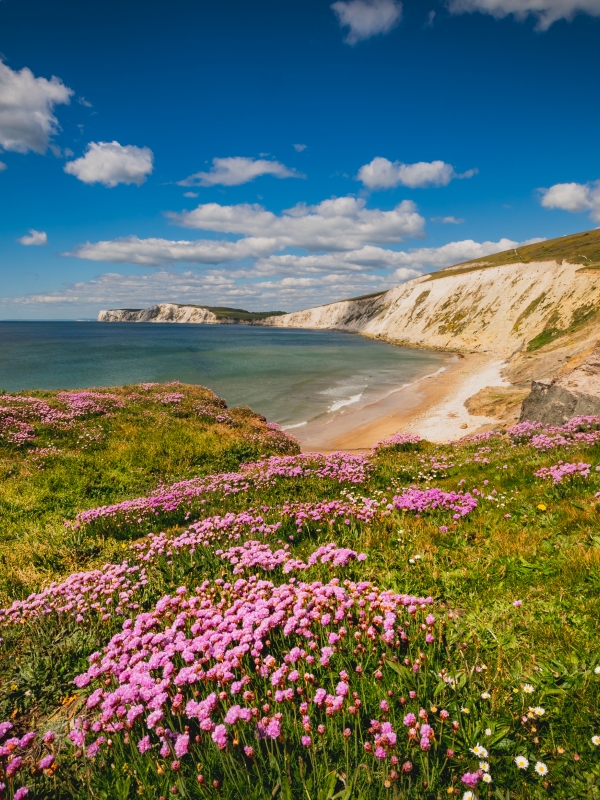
420	500
16	759
256	554
244	662
18	413
579	430
563	470
340	467
104	592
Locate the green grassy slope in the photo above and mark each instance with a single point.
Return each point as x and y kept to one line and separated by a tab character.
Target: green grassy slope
514	586
580	248
104	458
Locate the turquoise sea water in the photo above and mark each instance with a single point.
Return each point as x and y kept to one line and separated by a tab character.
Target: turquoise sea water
290	376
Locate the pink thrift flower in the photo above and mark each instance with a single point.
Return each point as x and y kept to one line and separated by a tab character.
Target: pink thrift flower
306	740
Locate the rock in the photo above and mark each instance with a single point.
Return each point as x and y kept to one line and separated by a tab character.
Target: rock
570	394
464	425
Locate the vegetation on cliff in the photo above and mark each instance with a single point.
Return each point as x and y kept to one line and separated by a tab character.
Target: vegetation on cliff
418	622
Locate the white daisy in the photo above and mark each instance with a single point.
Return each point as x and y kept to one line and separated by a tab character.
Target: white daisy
487	778
539	711
528	688
488	731
521	762
596	740
597	670
485	695
484	766
469	796
479	751
540	768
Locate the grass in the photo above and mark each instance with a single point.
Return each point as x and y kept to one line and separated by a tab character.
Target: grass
579	248
528	541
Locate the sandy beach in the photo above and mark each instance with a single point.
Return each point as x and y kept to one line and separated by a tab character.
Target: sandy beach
432	407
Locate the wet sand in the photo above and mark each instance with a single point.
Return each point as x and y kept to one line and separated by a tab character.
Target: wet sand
437	396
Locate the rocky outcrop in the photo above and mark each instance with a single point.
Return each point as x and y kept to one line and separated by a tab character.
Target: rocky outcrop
570	394
164	312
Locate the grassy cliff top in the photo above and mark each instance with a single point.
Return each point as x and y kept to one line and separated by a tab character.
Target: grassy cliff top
580	248
240	314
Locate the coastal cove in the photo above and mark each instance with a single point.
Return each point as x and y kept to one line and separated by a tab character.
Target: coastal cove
319	385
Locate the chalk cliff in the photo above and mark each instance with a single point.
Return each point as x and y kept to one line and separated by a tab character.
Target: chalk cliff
164	312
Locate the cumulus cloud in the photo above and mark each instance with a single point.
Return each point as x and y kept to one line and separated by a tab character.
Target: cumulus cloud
27	120
547	12
574	197
407	264
114	290
366	18
299	147
155	252
342	223
237	170
34	238
381	173
111	163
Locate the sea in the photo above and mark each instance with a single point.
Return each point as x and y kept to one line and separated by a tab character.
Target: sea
291	376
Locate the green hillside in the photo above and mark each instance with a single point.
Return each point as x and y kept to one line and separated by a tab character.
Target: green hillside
580	248
238	314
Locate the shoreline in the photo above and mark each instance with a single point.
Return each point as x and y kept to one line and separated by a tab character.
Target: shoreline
431	407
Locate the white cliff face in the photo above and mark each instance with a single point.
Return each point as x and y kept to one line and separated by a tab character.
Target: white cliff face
497	310
164	312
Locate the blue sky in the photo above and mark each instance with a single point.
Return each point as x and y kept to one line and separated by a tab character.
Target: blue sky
284	154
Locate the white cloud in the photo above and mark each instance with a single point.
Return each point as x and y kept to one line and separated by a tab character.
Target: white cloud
155	252
299	147
342	223
113	290
82	101
190	194
574	197
237	170
2	166
413	262
366	18
546	11
34	238
448	220
110	163
381	173
27	103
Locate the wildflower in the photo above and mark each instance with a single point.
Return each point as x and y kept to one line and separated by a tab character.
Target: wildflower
596	740
485	695
21	793
465	710
541	506
487	778
479	751
539	711
484	766
521	762
488	731
306	740
46	762
471	779
518	603
541	768
49	737
597	670
467	795
528	688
